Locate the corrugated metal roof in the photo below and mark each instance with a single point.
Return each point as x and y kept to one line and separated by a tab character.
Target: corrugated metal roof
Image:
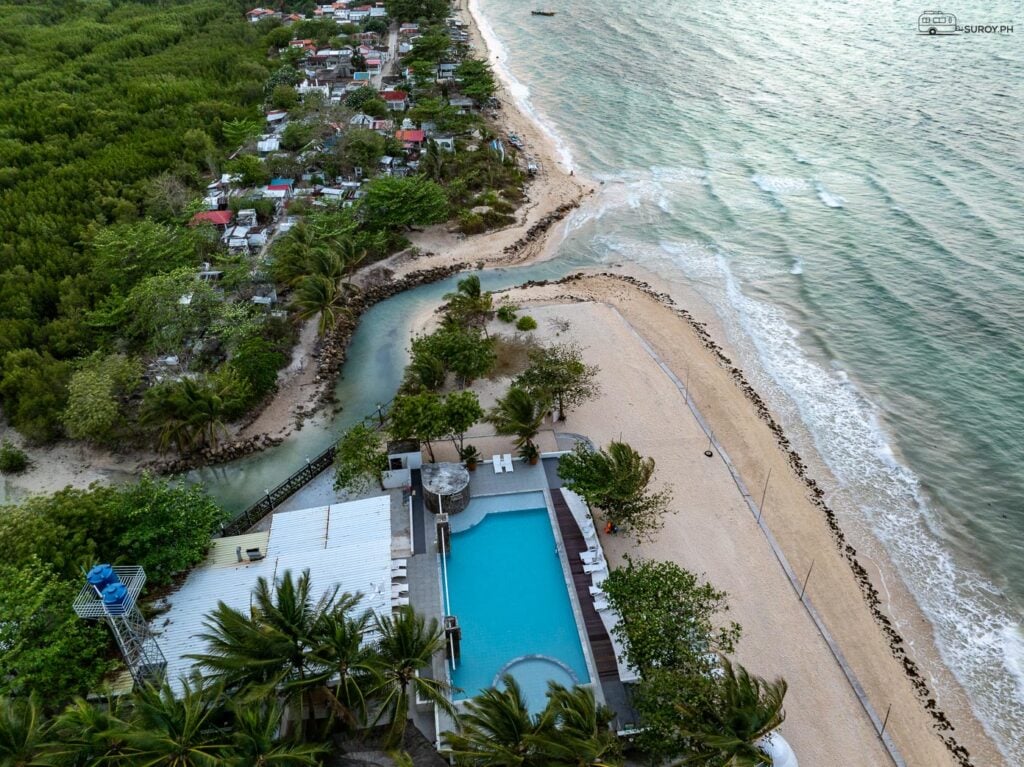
346	544
224	551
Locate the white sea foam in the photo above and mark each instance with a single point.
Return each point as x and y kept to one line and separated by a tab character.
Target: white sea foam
975	633
779	184
517	89
832	200
797	267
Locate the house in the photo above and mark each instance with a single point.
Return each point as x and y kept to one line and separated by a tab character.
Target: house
347	544
359	13
279	192
378	11
446	71
383	127
411	139
408	29
291	18
397	101
373	66
463	104
288	182
306	87
219	218
268	144
236	238
257	237
307	45
246	218
258	13
446	143
277	119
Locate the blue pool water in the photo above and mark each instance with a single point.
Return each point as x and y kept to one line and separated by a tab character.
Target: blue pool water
506	587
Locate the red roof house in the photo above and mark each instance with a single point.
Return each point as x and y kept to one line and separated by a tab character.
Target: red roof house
410	138
396	100
220	218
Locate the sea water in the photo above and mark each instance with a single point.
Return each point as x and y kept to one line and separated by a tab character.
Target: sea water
848	195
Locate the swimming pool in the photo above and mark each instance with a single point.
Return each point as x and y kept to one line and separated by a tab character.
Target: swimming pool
507	589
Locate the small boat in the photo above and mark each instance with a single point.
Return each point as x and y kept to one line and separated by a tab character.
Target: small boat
543	13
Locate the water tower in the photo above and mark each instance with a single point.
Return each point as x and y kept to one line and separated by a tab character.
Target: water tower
111	594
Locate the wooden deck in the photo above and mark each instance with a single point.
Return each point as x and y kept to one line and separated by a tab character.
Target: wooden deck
572	537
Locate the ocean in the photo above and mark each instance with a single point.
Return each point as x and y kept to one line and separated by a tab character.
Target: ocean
847	194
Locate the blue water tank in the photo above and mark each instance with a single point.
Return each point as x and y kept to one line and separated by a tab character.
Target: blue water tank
114	597
100	576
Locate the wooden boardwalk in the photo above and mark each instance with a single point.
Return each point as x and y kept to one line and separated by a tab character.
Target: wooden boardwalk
572	537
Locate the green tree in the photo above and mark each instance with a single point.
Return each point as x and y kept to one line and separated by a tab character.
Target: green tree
360	459
13	460
476	79
518	414
362	148
469	305
255	740
169	730
322	297
88	734
239	132
349	664
404	202
296	136
189	414
256	361
617	481
284	97
375	107
97	394
274	648
417	10
23	733
33	391
249	169
459	412
407	644
559	374
581	736
727	729
357	98
462	351
417	416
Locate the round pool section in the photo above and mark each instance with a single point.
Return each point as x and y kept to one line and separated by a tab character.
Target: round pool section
532	673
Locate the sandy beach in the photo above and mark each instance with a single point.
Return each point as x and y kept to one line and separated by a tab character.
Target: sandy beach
640	344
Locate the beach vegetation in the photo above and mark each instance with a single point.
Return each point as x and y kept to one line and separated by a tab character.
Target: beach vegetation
191	413
460	412
13	460
526	323
507	313
469	305
360	459
512	355
393	202
559	374
98	395
417	416
464	352
476	79
617	481
496	728
518	414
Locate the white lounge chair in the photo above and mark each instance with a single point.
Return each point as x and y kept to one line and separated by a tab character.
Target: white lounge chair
399	572
590	557
399	601
595	591
506	462
399	564
399	589
594	568
600	604
498	465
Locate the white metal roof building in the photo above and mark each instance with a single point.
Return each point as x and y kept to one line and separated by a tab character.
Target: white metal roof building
348	544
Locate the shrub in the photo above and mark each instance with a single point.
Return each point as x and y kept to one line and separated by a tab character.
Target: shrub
507	313
526	322
13	460
471	223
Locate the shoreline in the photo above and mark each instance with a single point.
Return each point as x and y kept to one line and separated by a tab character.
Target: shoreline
892	617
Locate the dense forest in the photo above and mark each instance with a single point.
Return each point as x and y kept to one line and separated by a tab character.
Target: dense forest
108	112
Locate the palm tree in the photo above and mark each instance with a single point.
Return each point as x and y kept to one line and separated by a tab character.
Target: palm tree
320	295
520	414
24	732
348	662
273	649
87	734
725	730
407	644
255	741
580	737
189	413
468	304
497	730
169	730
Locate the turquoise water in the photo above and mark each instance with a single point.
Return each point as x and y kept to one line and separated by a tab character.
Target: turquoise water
507	588
849	197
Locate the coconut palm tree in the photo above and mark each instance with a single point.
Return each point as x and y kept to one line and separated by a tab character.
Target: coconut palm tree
189	414
470	305
24	732
348	663
496	729
321	296
518	414
168	730
274	648
255	741
88	734
725	730
580	736
407	644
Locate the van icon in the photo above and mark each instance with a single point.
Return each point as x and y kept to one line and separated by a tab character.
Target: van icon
936	23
